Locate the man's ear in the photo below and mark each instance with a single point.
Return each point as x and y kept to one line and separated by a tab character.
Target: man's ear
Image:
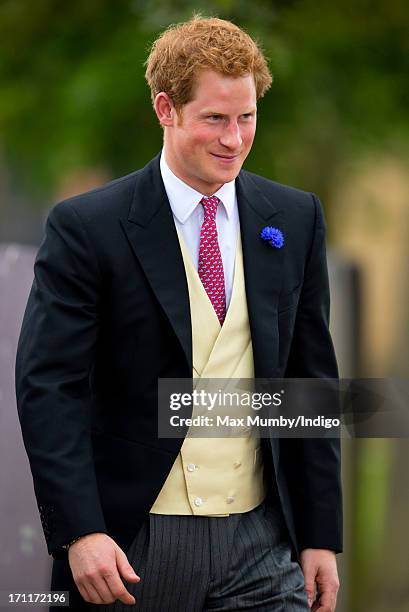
165	110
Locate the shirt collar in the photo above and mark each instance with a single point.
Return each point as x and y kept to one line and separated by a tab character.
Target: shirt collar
184	199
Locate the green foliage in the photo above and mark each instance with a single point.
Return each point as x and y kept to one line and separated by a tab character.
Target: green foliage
73	92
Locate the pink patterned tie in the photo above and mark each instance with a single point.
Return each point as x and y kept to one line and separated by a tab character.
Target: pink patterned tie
210	267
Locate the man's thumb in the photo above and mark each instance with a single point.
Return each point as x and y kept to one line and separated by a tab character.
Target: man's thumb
124	567
309	587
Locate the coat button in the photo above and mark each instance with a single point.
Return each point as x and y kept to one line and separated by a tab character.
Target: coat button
237	464
230	500
198	501
191	467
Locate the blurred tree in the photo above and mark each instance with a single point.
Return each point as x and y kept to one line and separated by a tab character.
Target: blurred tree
73	92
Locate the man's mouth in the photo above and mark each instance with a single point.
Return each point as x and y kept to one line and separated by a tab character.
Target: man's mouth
226	157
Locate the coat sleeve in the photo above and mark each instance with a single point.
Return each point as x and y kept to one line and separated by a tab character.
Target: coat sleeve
55	353
313	464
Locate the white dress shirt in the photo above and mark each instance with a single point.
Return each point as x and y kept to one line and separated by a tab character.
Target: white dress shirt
188	216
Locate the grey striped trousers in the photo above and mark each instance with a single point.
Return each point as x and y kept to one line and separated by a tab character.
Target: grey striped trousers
199	563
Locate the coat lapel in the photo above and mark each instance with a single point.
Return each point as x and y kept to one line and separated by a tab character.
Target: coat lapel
152	235
263	267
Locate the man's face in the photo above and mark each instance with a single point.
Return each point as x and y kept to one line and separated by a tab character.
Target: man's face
207	145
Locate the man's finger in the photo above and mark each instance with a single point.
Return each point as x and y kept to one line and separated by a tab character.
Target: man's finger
83	592
118	589
103	590
327	599
309	584
125	568
93	594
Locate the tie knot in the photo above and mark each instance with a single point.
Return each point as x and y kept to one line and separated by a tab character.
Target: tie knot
210	204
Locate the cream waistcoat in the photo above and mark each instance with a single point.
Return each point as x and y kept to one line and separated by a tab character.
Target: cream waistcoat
216	476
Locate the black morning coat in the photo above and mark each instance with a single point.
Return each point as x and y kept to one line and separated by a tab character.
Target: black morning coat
108	314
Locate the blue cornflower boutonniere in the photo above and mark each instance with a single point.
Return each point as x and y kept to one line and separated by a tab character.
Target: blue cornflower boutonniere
273	236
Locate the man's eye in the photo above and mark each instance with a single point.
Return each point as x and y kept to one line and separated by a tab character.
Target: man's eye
214	117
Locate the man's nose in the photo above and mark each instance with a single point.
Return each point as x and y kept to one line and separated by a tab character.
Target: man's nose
231	136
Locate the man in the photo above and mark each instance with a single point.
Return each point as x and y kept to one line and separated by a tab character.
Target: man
164	274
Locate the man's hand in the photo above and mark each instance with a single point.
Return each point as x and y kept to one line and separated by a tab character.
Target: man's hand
319	566
97	564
